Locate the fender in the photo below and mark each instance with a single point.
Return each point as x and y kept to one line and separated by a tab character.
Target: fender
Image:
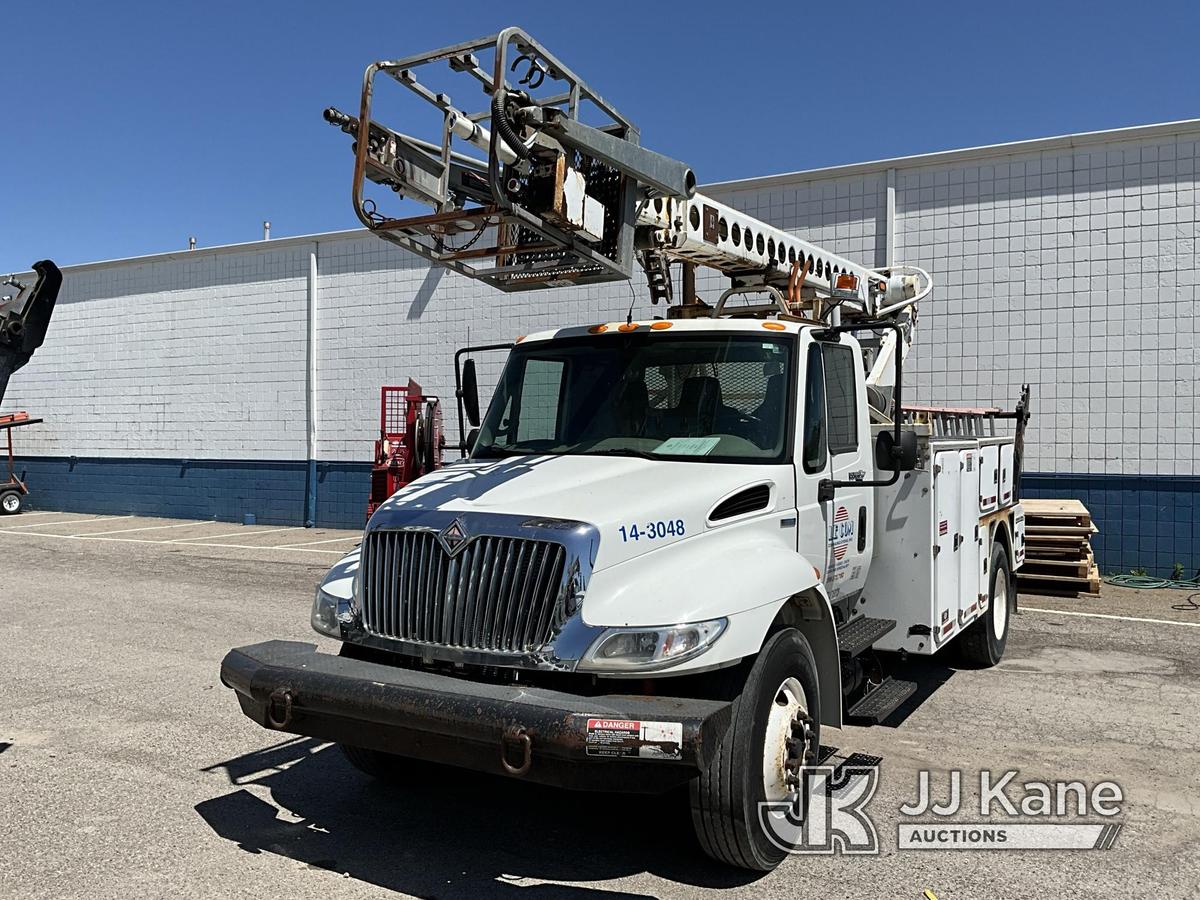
711	577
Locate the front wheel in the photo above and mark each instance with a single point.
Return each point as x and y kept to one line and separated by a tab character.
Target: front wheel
773	734
983	643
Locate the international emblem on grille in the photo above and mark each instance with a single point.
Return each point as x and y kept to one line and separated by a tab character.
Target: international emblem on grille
453	537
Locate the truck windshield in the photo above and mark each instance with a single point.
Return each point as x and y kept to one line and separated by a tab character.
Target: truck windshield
704	397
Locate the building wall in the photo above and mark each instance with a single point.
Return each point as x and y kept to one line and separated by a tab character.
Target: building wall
176	384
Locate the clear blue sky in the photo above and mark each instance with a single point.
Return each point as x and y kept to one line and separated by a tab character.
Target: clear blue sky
131	126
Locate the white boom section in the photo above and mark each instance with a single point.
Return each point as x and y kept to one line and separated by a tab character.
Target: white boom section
709	233
703	231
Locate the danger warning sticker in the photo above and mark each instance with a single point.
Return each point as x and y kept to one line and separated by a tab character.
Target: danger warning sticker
629	737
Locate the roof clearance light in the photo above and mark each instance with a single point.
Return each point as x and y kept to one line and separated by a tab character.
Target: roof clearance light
627	327
662	326
598	329
774	326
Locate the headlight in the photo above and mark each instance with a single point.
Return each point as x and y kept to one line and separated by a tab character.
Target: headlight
330	613
647	649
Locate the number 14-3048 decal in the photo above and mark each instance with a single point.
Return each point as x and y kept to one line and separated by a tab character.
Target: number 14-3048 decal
652	531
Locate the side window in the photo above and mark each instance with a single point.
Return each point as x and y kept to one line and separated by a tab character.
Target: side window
540	391
841	393
815	450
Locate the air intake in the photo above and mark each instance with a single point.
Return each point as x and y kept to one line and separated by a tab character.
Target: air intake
752	499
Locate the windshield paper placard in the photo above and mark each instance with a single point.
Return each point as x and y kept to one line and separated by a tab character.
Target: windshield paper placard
687	446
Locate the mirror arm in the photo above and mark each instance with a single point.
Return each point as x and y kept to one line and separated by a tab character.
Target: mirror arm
458	391
827	486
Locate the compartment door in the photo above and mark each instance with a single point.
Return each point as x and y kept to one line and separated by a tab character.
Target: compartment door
1006	474
989	477
970	541
947	516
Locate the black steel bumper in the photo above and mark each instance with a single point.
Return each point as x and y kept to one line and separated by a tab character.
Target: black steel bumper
549	736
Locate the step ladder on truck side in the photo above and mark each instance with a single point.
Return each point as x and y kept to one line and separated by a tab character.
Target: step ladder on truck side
745	469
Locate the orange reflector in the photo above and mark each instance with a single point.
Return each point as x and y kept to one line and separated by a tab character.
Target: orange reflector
628	326
519	339
817	572
598	329
660	326
847	282
775	326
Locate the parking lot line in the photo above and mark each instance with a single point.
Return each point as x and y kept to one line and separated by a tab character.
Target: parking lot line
143	528
126	540
353	537
1064	612
213	537
70	522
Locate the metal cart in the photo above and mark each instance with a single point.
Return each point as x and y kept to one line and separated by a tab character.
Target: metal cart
13	491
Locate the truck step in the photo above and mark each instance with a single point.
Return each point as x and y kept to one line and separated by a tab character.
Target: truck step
824	752
860	634
880	703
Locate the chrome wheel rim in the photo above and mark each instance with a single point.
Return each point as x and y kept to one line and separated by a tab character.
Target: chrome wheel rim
11	503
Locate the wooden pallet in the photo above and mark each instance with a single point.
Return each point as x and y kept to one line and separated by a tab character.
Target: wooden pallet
1058	550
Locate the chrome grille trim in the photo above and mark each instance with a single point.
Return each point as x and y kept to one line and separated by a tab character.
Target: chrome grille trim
496	593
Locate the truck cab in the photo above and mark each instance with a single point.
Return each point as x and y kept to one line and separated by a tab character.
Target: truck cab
661	537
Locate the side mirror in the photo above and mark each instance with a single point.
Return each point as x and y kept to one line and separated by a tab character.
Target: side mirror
470	392
472	438
886	456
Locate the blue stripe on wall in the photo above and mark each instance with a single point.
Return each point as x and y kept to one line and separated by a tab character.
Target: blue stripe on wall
1145	521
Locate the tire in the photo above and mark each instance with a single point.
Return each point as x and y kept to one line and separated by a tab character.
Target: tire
11	503
726	797
983	643
383	766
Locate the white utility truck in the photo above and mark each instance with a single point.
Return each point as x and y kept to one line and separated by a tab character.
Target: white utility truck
677	546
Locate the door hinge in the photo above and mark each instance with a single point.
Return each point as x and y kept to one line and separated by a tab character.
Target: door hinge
936	549
958	539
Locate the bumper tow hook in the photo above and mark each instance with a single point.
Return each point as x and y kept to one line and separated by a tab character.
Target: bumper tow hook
516	735
279	708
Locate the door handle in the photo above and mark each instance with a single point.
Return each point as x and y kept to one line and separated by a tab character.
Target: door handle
862	529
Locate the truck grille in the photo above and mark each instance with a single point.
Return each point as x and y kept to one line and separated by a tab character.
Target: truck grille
497	593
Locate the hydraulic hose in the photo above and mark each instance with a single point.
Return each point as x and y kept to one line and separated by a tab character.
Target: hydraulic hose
503	127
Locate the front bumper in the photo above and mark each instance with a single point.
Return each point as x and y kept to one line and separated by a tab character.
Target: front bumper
553	737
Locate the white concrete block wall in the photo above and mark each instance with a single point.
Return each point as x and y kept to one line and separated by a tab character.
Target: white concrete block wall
192	355
1076	270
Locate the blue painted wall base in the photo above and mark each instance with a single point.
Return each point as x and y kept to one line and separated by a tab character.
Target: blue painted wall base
1146	522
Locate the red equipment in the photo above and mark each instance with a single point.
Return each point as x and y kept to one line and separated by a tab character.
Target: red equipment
410	440
13	489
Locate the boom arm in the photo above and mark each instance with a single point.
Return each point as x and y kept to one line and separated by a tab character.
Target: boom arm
24	319
556	200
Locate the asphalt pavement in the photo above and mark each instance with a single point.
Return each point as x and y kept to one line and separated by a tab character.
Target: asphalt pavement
127	770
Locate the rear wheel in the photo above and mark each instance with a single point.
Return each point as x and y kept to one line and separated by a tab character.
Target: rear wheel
773	733
983	643
11	503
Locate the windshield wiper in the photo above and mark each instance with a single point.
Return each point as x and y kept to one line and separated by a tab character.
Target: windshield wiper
620	451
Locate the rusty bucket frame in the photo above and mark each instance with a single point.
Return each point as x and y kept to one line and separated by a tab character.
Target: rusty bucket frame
525	250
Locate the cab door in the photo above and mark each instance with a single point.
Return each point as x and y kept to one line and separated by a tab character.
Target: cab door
834	444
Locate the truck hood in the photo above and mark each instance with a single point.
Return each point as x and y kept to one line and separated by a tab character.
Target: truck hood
625	498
